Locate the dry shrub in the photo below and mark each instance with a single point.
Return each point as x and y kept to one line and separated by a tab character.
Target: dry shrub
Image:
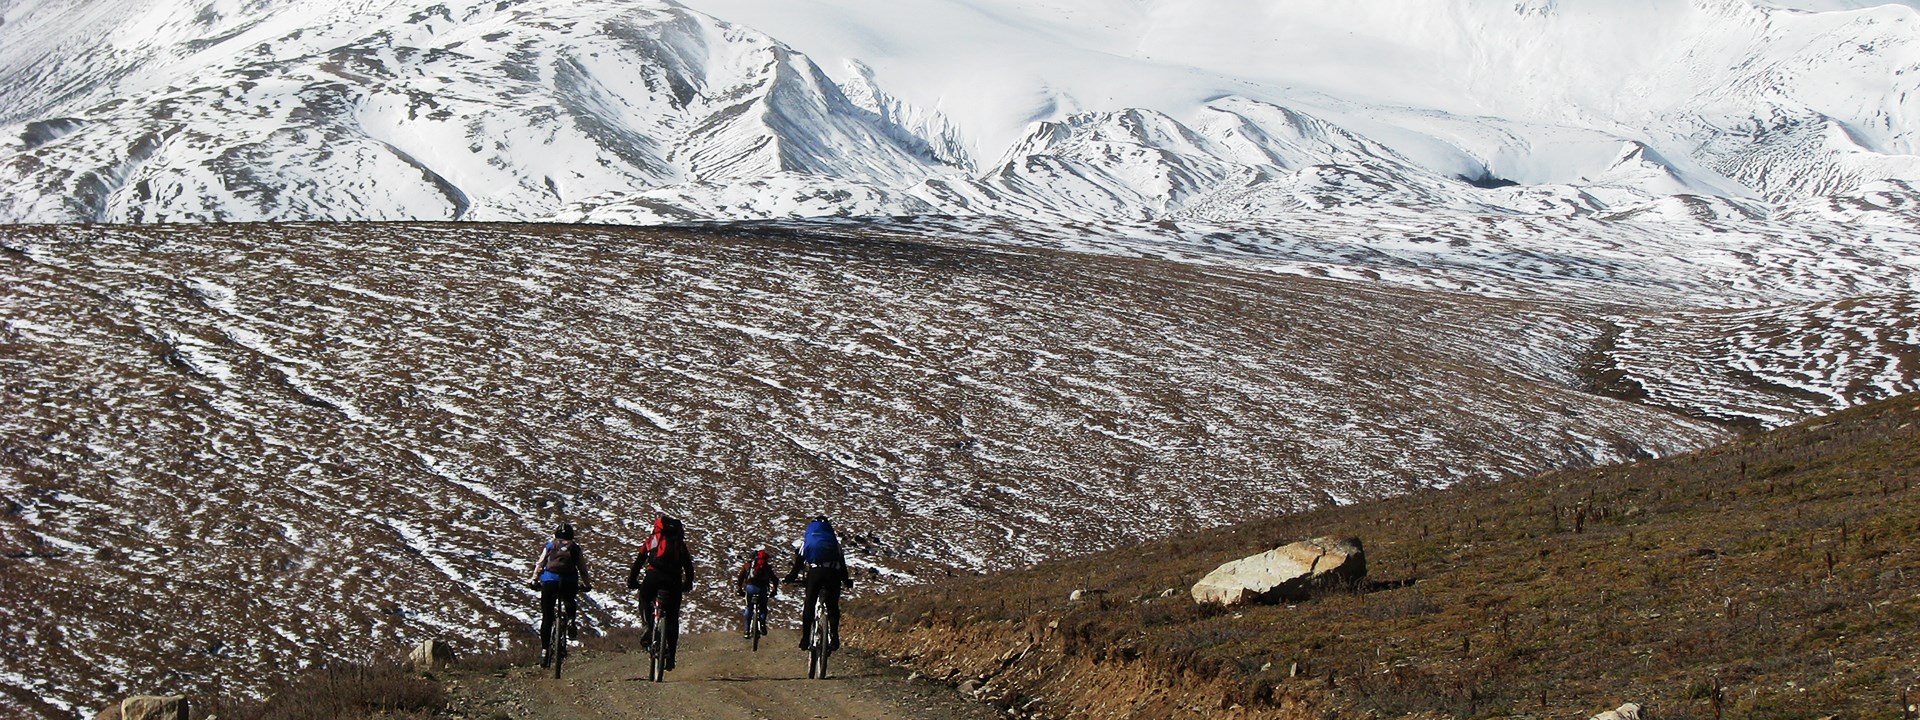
338	692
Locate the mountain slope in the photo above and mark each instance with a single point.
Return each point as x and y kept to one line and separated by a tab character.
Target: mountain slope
1770	576
366	427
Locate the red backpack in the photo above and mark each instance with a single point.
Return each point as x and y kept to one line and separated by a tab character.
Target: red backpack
668	544
759	570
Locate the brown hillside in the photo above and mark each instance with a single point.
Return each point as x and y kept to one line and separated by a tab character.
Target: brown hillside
1773	577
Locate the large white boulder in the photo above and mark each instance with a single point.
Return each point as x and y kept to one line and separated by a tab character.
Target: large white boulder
430	655
1288	572
1628	711
147	707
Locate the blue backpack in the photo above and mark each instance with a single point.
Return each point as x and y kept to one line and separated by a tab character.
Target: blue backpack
821	547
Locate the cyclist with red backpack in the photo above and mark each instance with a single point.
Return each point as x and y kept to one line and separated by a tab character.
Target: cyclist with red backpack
663	571
818	553
560	575
757	583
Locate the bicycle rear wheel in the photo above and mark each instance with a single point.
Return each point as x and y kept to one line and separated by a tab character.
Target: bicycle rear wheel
557	644
817	654
657	669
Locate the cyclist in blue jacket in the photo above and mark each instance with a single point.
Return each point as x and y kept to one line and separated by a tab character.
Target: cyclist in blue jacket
560	574
818	553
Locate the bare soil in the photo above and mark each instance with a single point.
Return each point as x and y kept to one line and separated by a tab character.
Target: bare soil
718	677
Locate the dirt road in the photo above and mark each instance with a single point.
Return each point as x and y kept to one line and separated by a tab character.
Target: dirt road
718	677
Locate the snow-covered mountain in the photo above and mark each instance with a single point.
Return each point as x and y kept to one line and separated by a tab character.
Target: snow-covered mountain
1414	243
649	110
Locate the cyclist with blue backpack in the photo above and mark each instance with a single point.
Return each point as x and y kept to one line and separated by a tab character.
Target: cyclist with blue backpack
818	553
560	575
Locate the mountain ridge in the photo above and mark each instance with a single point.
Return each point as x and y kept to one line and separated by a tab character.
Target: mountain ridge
533	110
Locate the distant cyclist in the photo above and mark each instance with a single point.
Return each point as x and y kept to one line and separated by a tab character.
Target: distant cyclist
560	575
818	553
664	571
757	583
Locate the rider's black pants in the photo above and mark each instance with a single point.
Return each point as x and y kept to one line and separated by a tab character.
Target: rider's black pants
667	590
821	585
555	592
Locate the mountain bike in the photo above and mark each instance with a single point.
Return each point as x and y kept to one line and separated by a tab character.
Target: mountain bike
820	644
657	644
562	631
755	616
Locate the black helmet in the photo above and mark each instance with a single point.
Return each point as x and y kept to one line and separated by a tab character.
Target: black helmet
564	532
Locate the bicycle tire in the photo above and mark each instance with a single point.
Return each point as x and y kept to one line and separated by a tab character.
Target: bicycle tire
657	665
565	632
556	643
659	670
756	623
817	654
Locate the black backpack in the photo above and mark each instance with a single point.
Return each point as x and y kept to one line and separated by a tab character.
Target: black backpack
563	557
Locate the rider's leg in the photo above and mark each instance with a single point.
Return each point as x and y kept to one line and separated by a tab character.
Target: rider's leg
746	613
670	615
833	615
806	608
649	590
549	594
759	605
570	602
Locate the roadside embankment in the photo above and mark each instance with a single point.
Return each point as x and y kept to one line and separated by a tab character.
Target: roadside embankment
1776	575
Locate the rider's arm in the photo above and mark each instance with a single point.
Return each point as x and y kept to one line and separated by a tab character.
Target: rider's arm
639	562
846	572
687	566
799	561
540	563
580	564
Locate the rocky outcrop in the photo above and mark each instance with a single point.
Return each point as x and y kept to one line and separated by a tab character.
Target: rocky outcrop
147	707
430	656
1288	572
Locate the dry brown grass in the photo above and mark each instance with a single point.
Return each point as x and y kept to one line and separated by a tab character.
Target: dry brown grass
341	692
1773	577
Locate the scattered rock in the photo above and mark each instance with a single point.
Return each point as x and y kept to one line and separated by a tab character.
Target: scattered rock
1076	595
1287	572
147	707
1628	711
430	656
970	687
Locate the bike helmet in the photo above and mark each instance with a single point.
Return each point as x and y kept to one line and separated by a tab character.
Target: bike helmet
564	532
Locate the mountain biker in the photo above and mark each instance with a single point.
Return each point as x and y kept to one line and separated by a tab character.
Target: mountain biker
818	552
560	575
663	570
757	583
